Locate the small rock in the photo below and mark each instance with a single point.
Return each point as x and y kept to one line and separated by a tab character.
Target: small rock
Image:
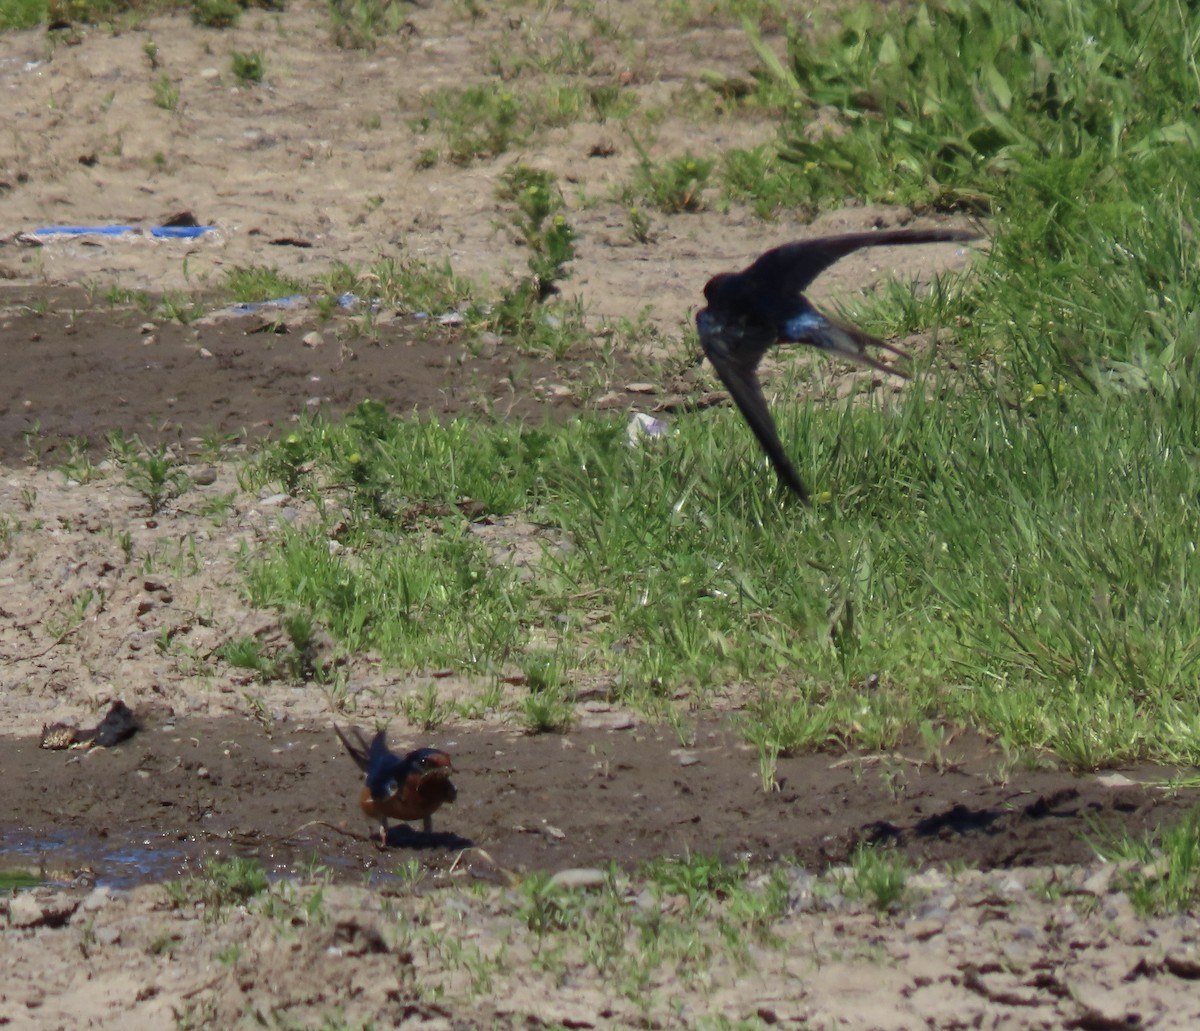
1183	962
1116	780
583	877
641	388
108	936
1099	882
147	327
609	400
205	353
1011	887
206	477
313	339
933	909
97	899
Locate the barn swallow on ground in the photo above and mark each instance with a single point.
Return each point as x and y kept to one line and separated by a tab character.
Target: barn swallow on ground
409	787
753	310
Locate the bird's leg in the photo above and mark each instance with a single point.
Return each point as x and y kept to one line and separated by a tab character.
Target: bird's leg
383	831
428	822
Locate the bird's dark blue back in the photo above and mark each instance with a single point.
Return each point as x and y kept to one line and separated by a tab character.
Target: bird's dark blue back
382	768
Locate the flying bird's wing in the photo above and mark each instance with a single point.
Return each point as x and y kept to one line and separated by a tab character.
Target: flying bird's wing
788	270
740	376
358	748
817	330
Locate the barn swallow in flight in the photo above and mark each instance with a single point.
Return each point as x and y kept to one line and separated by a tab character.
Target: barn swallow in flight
750	311
407	787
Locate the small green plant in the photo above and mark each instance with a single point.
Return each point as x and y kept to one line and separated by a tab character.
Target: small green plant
78	464
480	122
9	529
249	283
216	14
297	662
166	93
880	876
549	706
153	471
675	185
701	879
407	285
244	653
221	883
768	184
550	710
358	24
784	723
178	307
477	122
150	49
641	229
423	708
249	66
539	220
1164	877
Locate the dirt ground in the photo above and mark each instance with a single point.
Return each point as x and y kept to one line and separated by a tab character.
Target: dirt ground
1015	923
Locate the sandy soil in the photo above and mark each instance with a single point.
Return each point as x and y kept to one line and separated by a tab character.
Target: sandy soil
1037	935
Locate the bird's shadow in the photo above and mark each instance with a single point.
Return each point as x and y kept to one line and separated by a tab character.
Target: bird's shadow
404	836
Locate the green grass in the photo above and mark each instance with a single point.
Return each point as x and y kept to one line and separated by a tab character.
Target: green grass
15	879
358	24
879	877
249	66
479	122
221	883
248	283
21	14
1163	874
672	186
1057	619
166	93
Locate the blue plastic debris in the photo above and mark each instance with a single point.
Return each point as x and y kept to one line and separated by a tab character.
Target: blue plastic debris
181	232
248	307
166	232
84	230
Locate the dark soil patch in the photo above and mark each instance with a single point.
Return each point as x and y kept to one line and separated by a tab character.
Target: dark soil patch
154	806
77	373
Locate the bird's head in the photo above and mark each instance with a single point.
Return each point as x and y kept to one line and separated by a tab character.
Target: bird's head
717	289
425	762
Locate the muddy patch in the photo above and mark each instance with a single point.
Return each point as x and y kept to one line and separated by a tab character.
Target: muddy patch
154	806
79	374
